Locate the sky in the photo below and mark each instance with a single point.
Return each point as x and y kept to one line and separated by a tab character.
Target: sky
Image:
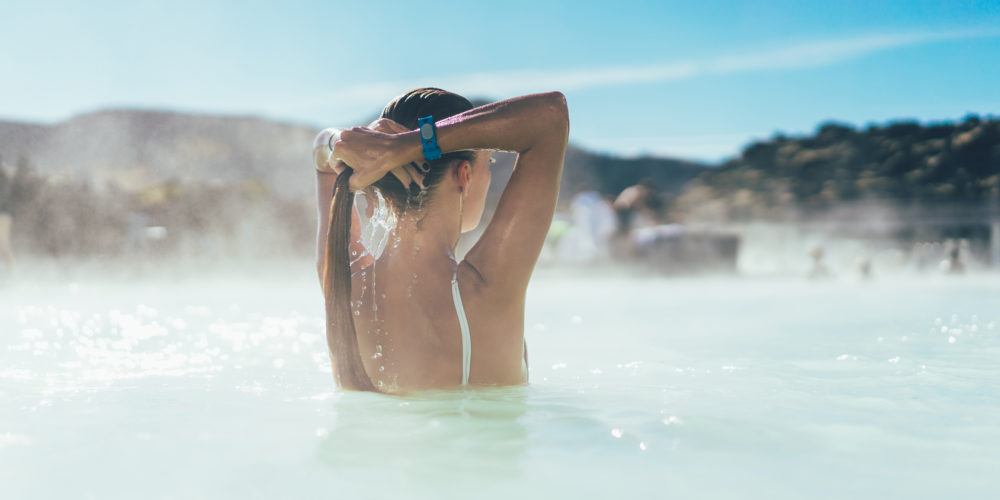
693	80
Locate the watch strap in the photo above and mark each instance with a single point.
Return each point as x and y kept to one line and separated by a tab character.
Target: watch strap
428	138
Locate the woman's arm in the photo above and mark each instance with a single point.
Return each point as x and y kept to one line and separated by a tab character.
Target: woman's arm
534	126
325	178
537	128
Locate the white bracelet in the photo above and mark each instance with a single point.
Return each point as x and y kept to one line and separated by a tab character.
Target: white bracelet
326	138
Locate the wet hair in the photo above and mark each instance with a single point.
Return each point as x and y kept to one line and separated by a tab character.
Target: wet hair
341	335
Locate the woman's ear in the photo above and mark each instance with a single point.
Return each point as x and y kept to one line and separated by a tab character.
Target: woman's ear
463	175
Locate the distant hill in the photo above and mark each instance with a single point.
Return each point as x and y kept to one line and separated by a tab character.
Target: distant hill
135	149
218	185
899	164
611	174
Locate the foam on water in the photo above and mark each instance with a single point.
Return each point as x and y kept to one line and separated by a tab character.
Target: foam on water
695	388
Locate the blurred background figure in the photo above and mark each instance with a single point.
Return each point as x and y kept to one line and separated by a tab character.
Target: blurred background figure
865	267
954	264
18	187
6	218
818	271
638	206
5	252
16	191
593	223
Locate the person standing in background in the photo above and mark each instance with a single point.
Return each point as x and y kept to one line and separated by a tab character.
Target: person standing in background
6	218
15	191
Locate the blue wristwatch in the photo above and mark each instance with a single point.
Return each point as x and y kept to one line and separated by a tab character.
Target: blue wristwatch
428	138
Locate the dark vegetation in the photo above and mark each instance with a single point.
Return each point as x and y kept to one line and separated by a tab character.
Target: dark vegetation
901	165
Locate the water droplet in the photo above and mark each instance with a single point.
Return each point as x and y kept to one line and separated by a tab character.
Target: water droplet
617	433
380	384
381	369
357	313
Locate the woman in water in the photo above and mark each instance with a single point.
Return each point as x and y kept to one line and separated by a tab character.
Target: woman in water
402	313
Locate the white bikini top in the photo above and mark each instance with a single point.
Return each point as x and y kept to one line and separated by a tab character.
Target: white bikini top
466	339
464	323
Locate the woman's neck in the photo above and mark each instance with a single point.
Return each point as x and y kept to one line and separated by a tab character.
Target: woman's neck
431	238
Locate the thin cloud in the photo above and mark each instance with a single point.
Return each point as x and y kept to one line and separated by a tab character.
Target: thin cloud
508	83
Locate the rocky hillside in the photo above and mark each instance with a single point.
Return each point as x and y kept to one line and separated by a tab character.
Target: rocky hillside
137	149
902	163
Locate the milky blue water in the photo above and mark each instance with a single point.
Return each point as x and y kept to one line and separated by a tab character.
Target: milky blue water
212	387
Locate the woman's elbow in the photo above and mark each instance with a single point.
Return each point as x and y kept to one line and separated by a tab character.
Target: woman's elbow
558	111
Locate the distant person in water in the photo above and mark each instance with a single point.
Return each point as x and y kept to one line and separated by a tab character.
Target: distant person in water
6	217
953	264
638	206
6	221
818	271
587	241
403	312
864	264
15	192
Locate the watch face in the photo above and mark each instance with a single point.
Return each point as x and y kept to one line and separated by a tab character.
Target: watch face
426	131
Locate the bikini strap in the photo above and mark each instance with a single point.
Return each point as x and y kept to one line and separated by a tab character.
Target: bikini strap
456	295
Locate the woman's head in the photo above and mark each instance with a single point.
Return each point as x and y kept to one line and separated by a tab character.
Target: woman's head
466	169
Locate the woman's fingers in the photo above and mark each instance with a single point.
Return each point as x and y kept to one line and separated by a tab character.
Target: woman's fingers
402	175
409	175
416	175
388	126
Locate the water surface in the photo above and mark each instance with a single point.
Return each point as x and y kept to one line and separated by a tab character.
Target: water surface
215	387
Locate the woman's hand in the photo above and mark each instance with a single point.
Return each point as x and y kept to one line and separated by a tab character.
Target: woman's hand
369	152
407	174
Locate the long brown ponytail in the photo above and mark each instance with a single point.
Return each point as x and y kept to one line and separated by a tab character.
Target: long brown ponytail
341	337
